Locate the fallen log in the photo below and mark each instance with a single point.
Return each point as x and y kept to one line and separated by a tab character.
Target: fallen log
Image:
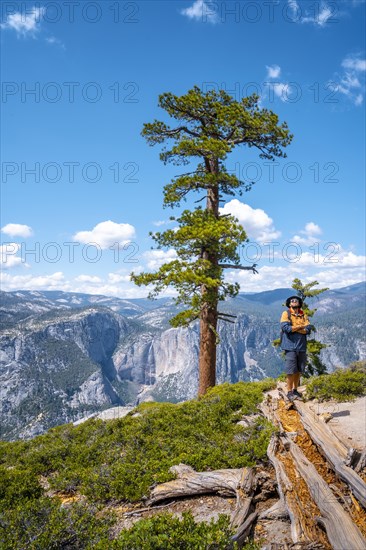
241	483
341	530
244	497
288	500
189	482
333	450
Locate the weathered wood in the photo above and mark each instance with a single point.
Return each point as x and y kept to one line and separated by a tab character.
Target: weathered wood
361	464
244	497
268	407
333	450
189	482
276	511
285	489
240	482
341	531
244	530
353	456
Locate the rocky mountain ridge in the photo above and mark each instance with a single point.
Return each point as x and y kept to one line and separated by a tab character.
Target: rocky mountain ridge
71	355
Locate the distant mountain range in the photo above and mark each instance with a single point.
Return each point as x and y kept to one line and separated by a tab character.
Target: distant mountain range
65	355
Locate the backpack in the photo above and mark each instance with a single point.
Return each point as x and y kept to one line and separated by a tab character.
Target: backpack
289	318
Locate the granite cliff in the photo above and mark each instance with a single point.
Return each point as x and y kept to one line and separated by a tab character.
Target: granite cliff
64	356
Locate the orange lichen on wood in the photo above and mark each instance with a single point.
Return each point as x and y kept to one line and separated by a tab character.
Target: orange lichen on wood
291	421
302	501
358	515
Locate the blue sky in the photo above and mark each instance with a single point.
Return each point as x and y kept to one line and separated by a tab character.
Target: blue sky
79	79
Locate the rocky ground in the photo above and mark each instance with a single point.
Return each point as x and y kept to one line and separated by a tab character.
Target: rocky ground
348	420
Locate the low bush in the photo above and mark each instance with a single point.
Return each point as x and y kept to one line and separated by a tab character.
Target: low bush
341	385
166	532
120	459
110	461
44	524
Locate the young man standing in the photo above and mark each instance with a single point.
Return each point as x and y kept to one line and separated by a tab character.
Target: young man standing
295	327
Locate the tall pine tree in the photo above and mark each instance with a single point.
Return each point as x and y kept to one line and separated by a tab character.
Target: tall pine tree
210	126
314	346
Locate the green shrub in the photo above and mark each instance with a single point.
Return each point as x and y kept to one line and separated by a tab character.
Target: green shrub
120	459
17	486
166	532
45	525
341	385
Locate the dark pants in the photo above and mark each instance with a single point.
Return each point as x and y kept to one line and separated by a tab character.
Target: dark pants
295	362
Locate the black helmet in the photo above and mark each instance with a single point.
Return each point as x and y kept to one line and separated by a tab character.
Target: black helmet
292	298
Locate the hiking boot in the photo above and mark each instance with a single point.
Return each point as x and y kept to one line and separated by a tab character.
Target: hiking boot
290	396
296	394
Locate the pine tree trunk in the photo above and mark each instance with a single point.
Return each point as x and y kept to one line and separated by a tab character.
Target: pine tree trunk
207	356
208	317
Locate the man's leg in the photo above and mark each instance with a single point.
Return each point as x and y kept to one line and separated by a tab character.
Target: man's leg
296	382
290	369
291	382
301	366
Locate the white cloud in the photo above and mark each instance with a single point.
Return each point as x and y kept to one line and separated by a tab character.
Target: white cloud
273	71
349	259
55	41
25	24
57	281
88	279
159	223
201	11
256	223
294	8
17	230
282	90
338	278
352	79
308	235
348	82
313	229
358	100
354	63
156	258
118	278
323	16
106	234
268	277
271	276
8	255
335	257
299	15
31	282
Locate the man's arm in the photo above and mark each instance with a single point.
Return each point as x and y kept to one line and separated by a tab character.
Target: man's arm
306	328
285	323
